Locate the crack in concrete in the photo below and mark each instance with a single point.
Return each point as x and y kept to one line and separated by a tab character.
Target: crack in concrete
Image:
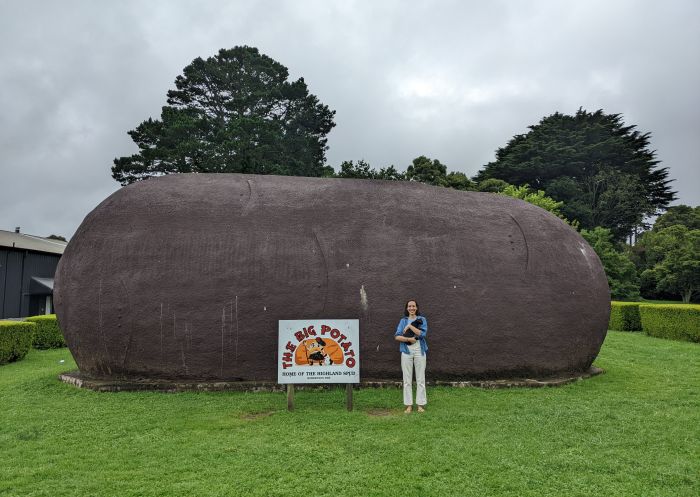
527	247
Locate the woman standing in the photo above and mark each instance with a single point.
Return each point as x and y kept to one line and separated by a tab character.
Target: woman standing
411	332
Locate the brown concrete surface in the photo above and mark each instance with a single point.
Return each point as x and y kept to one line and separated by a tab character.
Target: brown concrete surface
186	276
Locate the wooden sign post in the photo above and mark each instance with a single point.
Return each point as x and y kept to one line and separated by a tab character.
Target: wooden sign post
290	397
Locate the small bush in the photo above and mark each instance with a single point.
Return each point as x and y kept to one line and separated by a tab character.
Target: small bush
676	321
624	316
15	340
48	335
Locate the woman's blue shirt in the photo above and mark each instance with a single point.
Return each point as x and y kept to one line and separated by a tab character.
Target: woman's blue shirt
403	346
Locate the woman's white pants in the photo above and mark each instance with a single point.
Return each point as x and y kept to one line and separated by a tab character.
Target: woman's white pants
408	362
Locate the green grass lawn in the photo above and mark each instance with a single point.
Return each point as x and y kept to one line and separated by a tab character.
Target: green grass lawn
634	431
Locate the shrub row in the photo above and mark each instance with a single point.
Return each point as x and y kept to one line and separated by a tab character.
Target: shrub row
15	340
676	321
47	334
679	322
17	337
624	316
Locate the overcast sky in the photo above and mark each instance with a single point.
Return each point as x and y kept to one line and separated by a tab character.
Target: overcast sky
452	80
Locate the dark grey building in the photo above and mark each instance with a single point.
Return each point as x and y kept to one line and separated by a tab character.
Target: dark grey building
27	267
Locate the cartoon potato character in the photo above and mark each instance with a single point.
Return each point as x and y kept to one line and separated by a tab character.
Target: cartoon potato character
315	351
333	351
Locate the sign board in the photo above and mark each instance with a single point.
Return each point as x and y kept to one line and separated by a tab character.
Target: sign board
318	351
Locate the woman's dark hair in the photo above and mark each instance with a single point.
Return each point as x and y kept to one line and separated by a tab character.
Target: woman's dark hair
405	308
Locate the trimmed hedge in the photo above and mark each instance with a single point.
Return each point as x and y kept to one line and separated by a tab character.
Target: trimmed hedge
624	316
48	335
15	340
676	321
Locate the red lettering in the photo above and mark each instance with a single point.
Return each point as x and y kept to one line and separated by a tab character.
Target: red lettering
299	336
287	357
346	345
325	329
342	337
310	331
350	362
286	365
335	333
290	347
350	353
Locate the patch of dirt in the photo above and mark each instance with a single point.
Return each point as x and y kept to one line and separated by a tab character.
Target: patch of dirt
380	411
252	416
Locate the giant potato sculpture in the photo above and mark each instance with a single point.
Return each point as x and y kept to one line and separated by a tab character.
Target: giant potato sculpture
186	276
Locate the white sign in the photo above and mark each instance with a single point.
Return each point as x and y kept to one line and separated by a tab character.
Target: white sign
319	351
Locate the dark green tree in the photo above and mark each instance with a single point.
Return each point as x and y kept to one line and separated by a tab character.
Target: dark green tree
602	169
362	170
492	185
679	214
646	254
619	268
459	181
359	170
673	255
427	171
391	173
233	112
423	169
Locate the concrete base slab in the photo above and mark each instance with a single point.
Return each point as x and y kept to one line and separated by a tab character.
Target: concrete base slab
76	378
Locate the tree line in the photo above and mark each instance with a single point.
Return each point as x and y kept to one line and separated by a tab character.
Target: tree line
238	112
